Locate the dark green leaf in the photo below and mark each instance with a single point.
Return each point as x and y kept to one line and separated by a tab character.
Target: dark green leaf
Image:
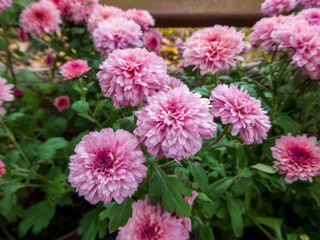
241	185
265	168
55	126
235	214
199	175
274	223
119	214
219	187
80	106
48	149
288	124
205	232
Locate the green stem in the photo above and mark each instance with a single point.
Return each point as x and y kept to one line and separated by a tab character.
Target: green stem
167	164
224	131
94	118
83	94
265	232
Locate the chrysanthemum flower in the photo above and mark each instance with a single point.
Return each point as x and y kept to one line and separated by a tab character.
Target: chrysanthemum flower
152	222
116	33
310	3
214	48
174	83
174	123
17	92
237	107
81	10
2	168
23	36
40	17
179	44
312	15
100	13
142	17
107	165
152	40
297	157
49	60
64	6
4	4
6	91
275	7
62	102
129	76
73	69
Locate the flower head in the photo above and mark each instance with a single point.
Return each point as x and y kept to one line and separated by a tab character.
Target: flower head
179	44
4	4
213	48
310	3
129	76
23	36
152	222
62	102
2	168
17	92
152	40
174	83
49	60
311	15
275	7
81	10
100	13
73	69
6	91
116	33
40	17
107	165
237	107
142	17
297	157
174	122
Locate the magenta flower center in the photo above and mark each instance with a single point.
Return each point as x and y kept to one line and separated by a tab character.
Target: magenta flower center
148	232
39	16
300	155
104	161
62	102
74	66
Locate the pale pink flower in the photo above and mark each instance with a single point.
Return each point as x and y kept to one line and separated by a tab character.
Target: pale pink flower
152	223
237	107
64	6
179	44
311	15
4	4
116	33
213	48
174	123
174	83
152	40
129	76
310	3
275	7
81	10
61	103
297	157
23	36
2	168
142	17
100	13
6	94
40	17
73	69
107	165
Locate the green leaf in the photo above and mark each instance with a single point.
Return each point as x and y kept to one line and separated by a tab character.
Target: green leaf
48	149
37	216
105	213
199	175
241	156
13	117
170	191
315	190
205	232
274	223
9	199
235	214
204	197
265	168
119	214
287	123
80	106
205	90
55	126
241	185
219	187
127	124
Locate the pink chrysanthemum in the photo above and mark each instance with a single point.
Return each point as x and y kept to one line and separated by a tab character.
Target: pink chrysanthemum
214	48
310	3
73	69
23	36
297	157
80	10
275	7
116	33
6	91
174	122
100	13
237	107
107	165
174	83
49	60
179	44
2	168
152	223
62	102
142	17
64	6
130	76
4	4
305	39
152	40
311	15
40	17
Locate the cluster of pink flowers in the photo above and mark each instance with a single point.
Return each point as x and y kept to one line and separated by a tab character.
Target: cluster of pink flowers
275	7
6	94
107	165
174	123
310	3
74	69
61	103
40	17
237	107
129	76
4	4
213	48
297	157
311	15
2	168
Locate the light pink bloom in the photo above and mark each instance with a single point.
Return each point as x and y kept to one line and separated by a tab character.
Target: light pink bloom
275	7
73	69
40	17
4	4
237	107
214	48
2	168
179	44
62	102
116	33
129	76
64	7
81	10
297	157
174	83
100	13
311	15
6	91
310	3
174	123
107	165
23	36
142	17
150	222
152	40
49	60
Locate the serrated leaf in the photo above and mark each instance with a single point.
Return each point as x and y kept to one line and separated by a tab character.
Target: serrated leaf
235	214
265	168
119	214
105	213
219	187
9	199
199	175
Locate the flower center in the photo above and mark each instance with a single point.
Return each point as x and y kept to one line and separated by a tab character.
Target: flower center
74	66
300	155
62	102
148	232
39	16
104	161
154	42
